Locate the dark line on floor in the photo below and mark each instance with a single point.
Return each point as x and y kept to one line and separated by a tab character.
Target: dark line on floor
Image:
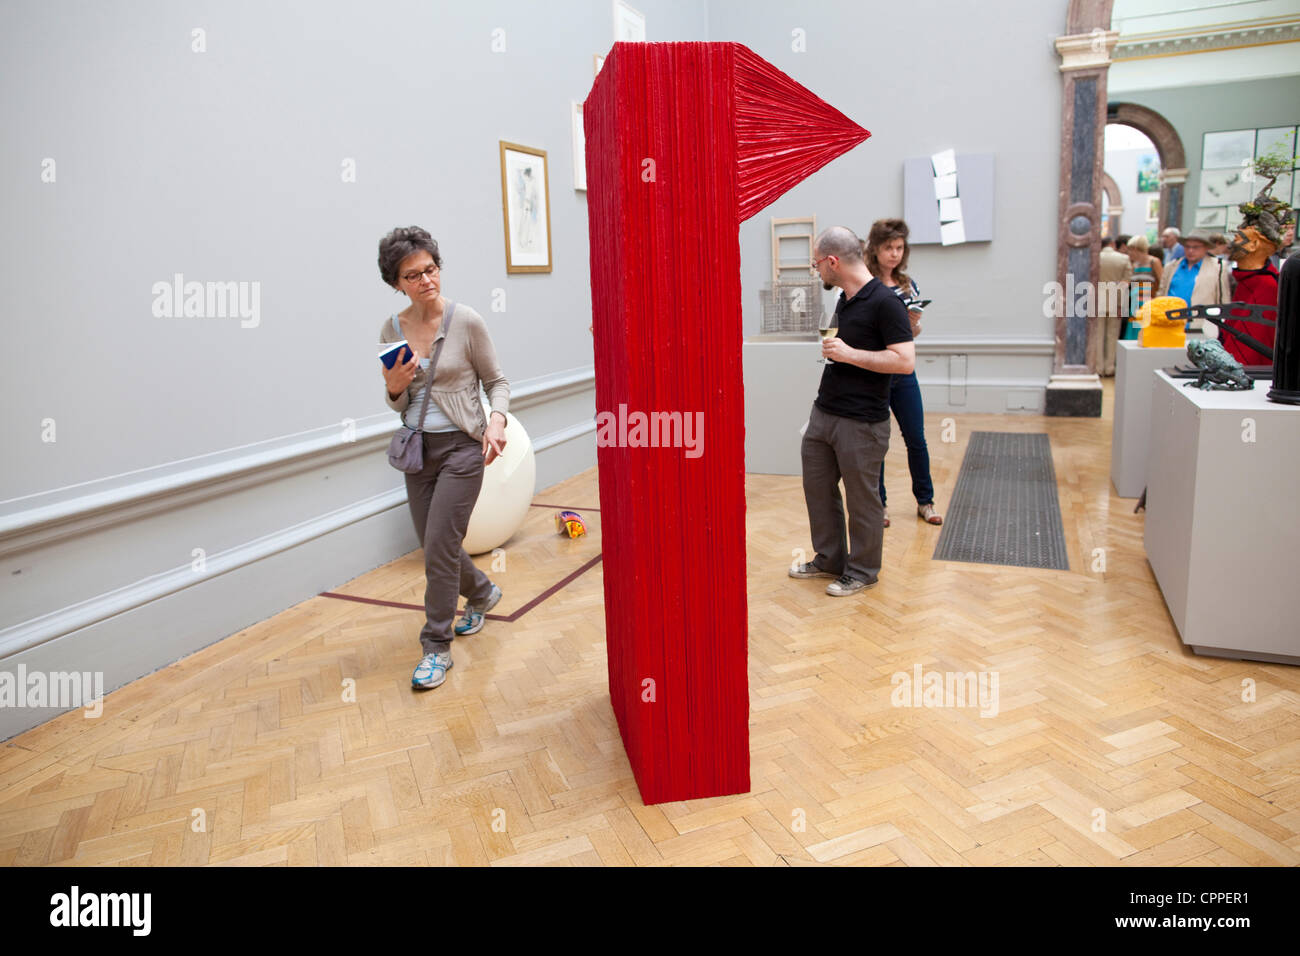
366	600
553	588
507	618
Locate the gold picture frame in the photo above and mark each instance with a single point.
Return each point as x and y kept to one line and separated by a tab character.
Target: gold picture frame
525	208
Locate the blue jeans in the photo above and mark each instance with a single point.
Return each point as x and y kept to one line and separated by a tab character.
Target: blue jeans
905	400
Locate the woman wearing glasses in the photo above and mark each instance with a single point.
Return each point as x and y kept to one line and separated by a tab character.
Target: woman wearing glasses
458	440
886	255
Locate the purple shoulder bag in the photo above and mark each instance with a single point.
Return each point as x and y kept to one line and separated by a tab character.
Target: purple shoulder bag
406	450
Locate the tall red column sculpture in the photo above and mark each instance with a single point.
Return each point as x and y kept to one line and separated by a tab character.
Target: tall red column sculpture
684	142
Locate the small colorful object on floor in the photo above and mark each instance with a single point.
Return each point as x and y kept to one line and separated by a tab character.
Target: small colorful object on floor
570	523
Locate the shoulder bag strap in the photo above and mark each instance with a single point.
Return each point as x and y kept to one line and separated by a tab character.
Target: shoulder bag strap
447	312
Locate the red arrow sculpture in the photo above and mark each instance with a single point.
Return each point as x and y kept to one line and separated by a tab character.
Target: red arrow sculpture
684	142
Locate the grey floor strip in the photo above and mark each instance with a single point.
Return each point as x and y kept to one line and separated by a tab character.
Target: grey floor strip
1004	509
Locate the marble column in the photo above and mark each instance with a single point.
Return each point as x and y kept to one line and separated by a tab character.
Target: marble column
1075	388
1172	183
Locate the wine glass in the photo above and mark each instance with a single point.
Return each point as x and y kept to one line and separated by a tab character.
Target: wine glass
827	330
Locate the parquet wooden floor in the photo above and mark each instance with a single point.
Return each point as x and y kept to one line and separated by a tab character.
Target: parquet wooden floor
299	741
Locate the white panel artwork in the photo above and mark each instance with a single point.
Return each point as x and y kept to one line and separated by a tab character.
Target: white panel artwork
948	198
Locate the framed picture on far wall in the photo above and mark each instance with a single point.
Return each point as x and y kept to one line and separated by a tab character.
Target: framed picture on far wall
1213	218
579	149
629	24
1282	187
1281	138
1149	173
1230	148
1153	209
1222	187
526	208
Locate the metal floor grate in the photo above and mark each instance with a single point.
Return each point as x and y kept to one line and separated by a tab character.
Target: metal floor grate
1004	509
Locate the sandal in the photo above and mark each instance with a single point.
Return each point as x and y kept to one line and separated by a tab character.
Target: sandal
929	514
885	512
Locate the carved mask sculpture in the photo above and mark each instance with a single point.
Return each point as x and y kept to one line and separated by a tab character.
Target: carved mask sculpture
1249	248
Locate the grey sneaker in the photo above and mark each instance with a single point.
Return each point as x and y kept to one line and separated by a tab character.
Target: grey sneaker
431	671
810	570
471	622
844	585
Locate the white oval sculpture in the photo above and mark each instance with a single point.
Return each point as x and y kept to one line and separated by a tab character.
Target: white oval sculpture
508	488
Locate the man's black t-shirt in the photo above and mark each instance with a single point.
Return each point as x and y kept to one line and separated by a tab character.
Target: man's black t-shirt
874	318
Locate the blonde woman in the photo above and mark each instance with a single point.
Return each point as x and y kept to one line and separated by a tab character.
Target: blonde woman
1147	270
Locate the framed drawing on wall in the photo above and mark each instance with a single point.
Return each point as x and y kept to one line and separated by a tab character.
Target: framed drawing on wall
1229	148
526	208
579	149
1215	217
1279	138
629	24
1153	209
1224	187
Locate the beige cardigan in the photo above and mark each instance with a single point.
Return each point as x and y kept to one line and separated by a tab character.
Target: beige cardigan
1212	285
467	358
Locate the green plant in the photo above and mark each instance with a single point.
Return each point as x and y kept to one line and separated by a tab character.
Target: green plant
1267	214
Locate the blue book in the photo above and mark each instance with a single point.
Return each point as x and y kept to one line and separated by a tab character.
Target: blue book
393	353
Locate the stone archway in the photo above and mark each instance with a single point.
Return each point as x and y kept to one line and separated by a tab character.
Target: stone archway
1169	146
1075	388
1114	204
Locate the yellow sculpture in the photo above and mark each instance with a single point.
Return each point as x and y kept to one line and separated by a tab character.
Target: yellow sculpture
1159	331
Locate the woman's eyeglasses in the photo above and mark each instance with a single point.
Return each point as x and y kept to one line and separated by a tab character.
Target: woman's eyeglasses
417	276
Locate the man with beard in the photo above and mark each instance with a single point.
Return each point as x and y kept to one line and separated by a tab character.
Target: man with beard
848	429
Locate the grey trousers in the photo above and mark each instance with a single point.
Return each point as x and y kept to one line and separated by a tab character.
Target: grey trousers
836	448
442	497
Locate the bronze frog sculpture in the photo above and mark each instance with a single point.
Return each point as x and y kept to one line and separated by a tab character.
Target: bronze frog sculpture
1219	370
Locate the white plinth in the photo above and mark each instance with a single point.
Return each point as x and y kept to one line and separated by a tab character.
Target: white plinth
781	381
1222	521
1134	386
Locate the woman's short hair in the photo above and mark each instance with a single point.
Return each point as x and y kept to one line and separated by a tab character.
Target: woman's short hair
1139	242
400	243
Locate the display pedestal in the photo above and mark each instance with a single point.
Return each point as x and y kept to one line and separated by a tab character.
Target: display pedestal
1134	387
1077	396
1222	534
781	381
